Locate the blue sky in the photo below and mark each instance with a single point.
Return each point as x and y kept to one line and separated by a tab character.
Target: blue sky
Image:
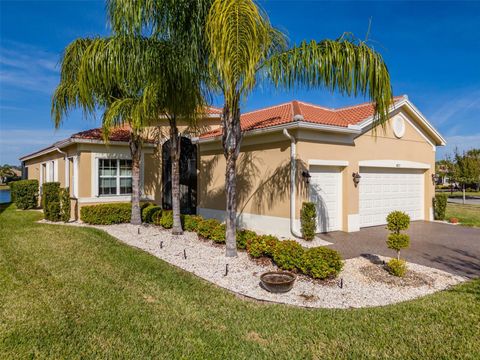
432	50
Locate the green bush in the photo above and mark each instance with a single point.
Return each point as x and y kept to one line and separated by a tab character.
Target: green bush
256	246
65	204
397	267
243	236
321	263
106	214
51	201
149	211
191	222
25	193
157	216
397	221
288	255
212	229
308	220
166	220
440	206
398	241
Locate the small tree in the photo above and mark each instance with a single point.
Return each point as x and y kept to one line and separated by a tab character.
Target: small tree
466	169
308	220
396	222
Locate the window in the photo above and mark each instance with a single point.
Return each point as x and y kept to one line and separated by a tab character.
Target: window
115	177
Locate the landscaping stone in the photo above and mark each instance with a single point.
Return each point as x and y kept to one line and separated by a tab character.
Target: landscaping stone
365	284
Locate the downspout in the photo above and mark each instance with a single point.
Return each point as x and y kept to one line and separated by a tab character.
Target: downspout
65	159
293	171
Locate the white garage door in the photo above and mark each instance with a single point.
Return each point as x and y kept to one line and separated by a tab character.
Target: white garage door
383	190
326	194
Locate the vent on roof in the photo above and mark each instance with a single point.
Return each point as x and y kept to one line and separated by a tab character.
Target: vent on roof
298	117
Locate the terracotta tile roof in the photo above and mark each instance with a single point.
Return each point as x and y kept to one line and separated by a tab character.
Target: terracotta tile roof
285	113
213	110
118	134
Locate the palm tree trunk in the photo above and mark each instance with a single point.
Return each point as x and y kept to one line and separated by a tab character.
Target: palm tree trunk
231	147
175	146
136	153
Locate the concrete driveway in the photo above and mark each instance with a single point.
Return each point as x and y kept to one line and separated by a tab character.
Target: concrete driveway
451	248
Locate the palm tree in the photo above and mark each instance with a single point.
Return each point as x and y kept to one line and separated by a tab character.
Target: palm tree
134	81
244	47
235	41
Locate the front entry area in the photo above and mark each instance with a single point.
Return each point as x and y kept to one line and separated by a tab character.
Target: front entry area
325	191
188	176
383	190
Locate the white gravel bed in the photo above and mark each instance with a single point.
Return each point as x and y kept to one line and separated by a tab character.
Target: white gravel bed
209	262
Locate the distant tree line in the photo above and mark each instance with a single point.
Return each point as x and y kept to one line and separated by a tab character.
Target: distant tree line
8	174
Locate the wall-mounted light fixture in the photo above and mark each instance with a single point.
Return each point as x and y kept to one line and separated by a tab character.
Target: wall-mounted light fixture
435	179
306	175
356	178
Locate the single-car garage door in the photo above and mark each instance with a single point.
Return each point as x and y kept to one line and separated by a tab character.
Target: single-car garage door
326	194
383	190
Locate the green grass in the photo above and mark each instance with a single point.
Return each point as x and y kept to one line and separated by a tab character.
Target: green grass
4	187
468	215
70	292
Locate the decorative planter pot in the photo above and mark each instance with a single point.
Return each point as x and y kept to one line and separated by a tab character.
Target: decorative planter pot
453	220
277	281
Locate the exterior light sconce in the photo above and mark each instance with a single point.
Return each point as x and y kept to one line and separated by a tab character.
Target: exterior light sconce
356	178
306	175
434	179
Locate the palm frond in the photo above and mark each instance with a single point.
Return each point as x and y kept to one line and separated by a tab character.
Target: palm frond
342	65
239	37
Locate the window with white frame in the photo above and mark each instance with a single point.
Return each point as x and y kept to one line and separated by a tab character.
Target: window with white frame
115	177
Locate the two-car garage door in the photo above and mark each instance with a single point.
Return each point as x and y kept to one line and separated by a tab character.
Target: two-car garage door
383	190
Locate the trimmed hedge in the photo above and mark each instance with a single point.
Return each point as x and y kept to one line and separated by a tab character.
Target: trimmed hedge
166	219
106	214
149	211
321	263
51	201
308	220
440	206
288	255
24	193
191	222
65	204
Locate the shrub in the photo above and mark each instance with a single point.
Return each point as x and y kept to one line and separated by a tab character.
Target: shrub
439	206
25	193
51	200
308	220
243	236
212	229
106	214
166	220
321	263
149	211
397	267
256	246
288	255
65	204
397	221
218	234
157	216
398	241
191	222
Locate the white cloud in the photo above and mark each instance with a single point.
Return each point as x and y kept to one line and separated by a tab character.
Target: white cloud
27	68
16	142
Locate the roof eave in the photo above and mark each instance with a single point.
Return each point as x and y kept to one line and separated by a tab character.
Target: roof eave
351	129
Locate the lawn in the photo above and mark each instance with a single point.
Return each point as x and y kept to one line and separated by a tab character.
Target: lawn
459	194
71	292
467	214
4	187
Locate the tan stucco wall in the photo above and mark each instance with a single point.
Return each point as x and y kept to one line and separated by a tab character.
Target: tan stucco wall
262	179
263	175
384	146
152	184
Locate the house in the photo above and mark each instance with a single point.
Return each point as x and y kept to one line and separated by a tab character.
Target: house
292	152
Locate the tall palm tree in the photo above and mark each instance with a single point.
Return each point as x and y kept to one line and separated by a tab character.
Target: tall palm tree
244	48
134	81
235	41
